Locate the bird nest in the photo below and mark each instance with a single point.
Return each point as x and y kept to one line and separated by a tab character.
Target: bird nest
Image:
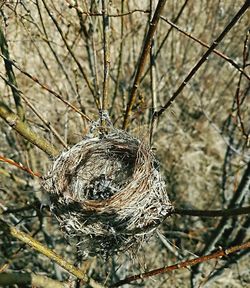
106	192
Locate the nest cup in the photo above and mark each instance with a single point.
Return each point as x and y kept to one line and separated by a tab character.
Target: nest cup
106	192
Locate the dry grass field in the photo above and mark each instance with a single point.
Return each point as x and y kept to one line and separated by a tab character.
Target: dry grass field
52	82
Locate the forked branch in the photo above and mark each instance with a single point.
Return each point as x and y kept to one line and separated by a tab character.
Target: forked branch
203	59
191	262
45	87
142	61
217	52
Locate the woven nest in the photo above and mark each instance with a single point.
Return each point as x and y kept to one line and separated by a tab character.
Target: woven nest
106	192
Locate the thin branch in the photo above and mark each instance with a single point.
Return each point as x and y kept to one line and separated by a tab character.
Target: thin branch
25	238
69	49
142	61
184	264
238	196
152	79
45	87
23	129
38	114
20	166
120	61
237	93
175	20
224	267
213	213
45	121
217	52
87	37
203	59
33	206
218	233
75	6
106	54
91	51
11	75
57	58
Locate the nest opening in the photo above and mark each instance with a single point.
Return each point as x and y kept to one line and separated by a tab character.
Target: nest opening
106	192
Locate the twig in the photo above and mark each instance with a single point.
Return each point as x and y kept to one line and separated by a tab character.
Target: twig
120	61
20	166
11	75
203	59
69	49
45	122
48	253
106	54
75	6
226	139
224	268
175	20
217	52
142	61
23	129
91	51
38	114
86	36
217	234
213	213
152	78
192	262
57	58
237	198
237	93
35	205
28	279
45	87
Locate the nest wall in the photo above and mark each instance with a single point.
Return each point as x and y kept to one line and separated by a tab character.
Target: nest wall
106	192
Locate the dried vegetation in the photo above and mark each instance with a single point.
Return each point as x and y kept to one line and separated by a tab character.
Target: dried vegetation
201	141
106	192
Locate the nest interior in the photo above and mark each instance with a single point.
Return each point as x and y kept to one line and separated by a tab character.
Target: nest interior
107	193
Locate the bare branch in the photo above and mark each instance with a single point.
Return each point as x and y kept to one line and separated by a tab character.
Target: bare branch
69	49
223	56
23	129
192	262
106	54
75	6
11	75
213	213
45	87
48	253
20	166
142	61
29	104
120	62
203	59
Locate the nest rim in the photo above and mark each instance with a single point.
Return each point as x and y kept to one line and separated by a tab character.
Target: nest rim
138	207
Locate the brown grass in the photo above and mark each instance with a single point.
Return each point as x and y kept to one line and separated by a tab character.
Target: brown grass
201	140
